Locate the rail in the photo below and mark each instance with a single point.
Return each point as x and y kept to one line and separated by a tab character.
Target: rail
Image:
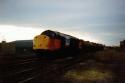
23	69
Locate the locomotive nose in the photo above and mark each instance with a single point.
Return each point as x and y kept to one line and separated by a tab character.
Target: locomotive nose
40	42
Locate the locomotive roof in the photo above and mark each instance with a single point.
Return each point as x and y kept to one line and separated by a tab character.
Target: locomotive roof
59	33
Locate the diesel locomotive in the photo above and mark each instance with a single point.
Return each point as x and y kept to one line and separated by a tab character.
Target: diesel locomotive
55	42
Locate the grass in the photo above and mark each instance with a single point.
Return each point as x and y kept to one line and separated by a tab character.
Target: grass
91	74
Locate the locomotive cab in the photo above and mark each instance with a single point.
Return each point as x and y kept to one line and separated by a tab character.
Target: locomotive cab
46	41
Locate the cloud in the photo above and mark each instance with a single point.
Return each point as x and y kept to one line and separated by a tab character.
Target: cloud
11	32
104	20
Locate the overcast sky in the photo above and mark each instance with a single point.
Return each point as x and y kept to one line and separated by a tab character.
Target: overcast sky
100	21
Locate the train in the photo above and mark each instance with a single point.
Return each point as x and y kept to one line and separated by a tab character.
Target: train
56	42
122	44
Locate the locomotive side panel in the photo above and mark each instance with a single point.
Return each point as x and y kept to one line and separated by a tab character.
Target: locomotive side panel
57	44
54	44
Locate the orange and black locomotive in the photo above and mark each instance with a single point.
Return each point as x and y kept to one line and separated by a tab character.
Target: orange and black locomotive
55	42
52	41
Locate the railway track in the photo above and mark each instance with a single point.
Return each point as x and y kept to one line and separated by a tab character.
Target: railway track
56	67
34	69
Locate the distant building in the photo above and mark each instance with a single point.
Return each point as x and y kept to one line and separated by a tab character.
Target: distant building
16	47
23	46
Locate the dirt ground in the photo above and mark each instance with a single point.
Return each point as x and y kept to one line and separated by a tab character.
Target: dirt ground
95	71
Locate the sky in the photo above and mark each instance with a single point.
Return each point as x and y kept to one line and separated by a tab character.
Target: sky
101	21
